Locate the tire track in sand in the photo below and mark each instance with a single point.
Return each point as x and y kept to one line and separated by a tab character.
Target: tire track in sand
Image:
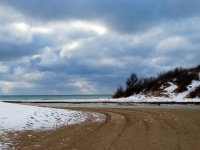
129	129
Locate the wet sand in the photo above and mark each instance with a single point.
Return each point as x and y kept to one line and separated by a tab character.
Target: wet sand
123	128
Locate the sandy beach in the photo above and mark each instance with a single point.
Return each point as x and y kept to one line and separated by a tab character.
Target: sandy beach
121	128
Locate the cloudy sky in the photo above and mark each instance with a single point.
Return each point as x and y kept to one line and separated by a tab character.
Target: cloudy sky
92	46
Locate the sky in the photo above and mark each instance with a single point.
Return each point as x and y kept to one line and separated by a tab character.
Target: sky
92	46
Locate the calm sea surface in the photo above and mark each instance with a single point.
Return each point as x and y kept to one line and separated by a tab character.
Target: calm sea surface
52	97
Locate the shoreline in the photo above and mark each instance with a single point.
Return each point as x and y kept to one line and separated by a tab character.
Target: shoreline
114	102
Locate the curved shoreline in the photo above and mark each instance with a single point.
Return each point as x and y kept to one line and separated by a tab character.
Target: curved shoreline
89	102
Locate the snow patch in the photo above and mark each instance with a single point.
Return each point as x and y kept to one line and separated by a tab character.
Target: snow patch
169	90
15	117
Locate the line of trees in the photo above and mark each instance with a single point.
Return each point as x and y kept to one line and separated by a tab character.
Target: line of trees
179	76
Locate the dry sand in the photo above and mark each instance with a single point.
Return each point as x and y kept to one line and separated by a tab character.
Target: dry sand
122	129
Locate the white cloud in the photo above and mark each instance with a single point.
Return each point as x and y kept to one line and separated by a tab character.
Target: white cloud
21	32
89	26
48	56
8	14
41	30
15	33
150	36
19	71
68	49
7	86
172	43
34	76
15	27
84	87
111	62
3	68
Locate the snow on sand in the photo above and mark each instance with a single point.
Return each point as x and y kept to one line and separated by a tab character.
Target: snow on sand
14	117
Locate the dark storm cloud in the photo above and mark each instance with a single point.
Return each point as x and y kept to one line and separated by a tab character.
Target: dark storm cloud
122	15
10	51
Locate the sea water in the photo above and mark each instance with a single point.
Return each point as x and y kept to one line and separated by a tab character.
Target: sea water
52	97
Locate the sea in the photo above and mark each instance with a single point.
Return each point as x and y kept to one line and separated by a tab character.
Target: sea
52	97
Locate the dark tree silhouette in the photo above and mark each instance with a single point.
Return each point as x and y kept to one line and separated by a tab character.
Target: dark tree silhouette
131	81
119	93
133	85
